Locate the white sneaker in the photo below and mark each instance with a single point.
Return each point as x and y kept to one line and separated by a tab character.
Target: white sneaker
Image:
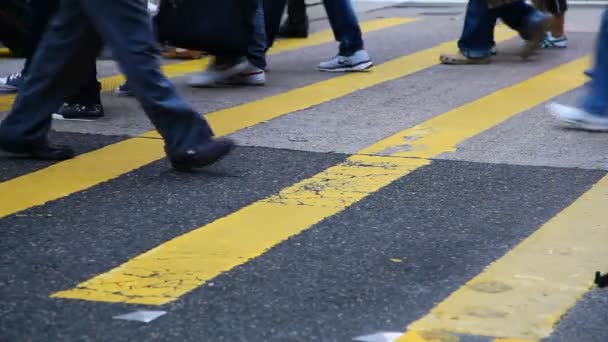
578	118
359	61
551	42
252	76
216	74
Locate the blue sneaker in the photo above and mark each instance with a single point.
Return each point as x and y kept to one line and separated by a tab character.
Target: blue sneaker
11	83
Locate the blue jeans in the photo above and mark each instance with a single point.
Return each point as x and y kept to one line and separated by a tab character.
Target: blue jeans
595	101
342	19
42	12
72	40
477	37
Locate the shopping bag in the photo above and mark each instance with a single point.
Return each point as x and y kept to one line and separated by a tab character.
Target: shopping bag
213	26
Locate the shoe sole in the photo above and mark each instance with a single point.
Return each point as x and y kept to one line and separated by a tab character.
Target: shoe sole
237	69
584	126
470	61
8	89
180	167
124	93
57	116
359	67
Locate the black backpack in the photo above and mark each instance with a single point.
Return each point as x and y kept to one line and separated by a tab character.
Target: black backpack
15	23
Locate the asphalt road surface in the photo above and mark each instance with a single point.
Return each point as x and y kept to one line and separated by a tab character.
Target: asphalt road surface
437	203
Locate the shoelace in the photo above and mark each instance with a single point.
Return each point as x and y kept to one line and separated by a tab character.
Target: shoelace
14	76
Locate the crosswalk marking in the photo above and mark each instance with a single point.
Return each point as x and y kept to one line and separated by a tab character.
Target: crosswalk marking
184	68
90	169
175	268
524	293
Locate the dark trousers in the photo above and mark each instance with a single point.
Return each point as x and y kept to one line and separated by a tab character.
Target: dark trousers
72	40
42	13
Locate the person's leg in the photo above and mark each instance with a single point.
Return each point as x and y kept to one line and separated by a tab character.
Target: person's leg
41	12
188	137
528	21
345	25
235	69
57	64
83	102
477	38
592	110
273	12
476	41
596	99
556	36
257	49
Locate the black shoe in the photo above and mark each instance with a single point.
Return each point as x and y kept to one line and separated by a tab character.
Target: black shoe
42	151
292	29
204	154
76	111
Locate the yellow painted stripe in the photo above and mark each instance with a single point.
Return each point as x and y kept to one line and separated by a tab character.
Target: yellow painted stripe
184	68
523	294
5	52
109	162
174	268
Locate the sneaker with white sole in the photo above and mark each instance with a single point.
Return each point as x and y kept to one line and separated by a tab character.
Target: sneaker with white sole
216	74
578	118
551	42
252	76
11	83
359	61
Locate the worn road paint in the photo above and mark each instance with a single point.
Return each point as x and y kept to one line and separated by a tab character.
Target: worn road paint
523	294
176	267
90	169
184	68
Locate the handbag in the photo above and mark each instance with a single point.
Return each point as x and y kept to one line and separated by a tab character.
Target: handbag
219	27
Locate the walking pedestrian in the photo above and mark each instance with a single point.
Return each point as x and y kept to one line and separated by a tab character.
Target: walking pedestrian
246	70
345	25
74	38
84	102
476	44
555	37
591	112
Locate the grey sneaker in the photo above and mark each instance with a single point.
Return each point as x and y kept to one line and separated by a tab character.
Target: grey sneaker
359	61
251	76
578	118
11	83
217	74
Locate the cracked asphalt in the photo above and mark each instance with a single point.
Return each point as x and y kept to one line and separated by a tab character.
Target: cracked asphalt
384	239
